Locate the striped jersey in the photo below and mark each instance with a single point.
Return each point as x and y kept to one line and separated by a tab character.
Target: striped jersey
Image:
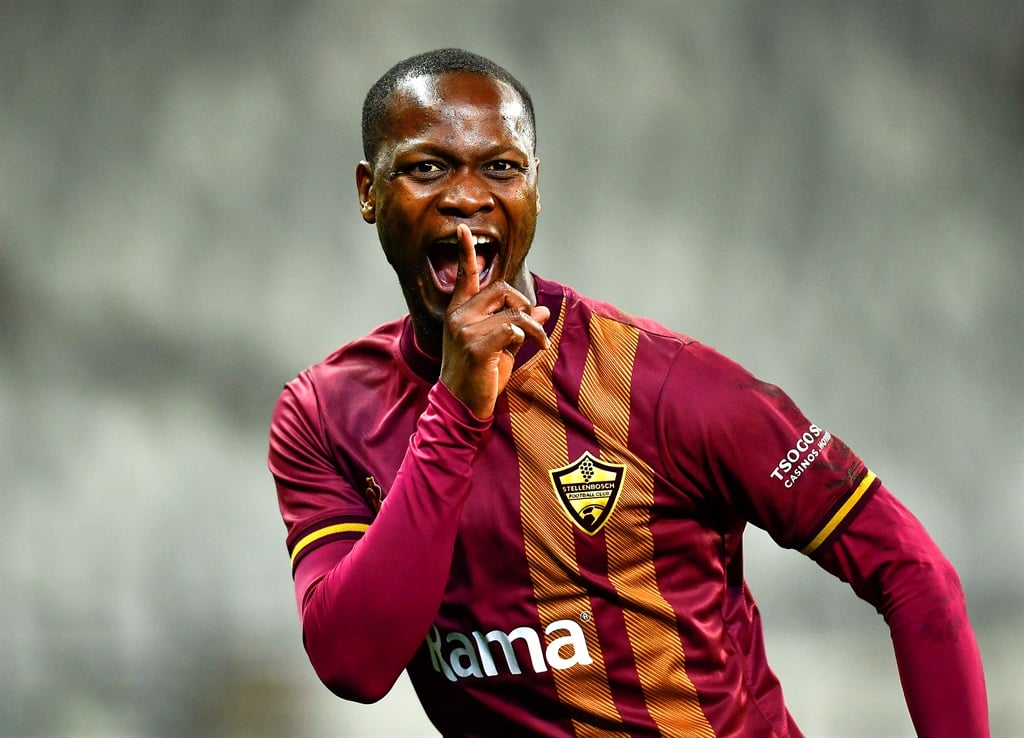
595	584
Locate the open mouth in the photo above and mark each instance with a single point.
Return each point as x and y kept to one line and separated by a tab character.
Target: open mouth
444	260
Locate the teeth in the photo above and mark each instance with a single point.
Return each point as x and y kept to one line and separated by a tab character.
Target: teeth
477	240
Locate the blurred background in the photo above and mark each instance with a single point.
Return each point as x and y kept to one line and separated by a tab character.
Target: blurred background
832	193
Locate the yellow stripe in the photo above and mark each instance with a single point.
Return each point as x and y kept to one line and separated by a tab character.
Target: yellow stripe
840	514
540	441
328	531
669	694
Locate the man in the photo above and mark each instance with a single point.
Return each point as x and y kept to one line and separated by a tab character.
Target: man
535	503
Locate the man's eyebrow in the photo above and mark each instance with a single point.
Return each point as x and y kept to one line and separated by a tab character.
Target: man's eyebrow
413	147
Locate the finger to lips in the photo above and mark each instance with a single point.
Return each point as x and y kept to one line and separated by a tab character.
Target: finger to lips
506	303
467	281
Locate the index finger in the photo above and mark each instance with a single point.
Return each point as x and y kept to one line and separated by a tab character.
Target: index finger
467	280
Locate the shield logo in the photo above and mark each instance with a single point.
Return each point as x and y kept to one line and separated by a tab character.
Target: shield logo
588	489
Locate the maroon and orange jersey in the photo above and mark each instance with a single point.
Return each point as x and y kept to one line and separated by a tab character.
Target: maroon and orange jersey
594	581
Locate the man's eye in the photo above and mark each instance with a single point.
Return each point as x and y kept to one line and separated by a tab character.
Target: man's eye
420	169
503	167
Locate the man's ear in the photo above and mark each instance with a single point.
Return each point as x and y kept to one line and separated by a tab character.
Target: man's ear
536	166
364	186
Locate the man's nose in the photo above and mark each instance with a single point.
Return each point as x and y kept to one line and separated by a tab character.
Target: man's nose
465	194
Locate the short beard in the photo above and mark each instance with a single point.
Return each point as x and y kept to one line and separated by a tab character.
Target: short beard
429	330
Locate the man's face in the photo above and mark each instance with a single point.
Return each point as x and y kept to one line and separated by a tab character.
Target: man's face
458	149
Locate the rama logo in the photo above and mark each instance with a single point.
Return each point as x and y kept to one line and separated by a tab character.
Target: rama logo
588	489
475	655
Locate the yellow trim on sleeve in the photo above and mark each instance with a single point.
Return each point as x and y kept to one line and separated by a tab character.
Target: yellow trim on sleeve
328	531
841	513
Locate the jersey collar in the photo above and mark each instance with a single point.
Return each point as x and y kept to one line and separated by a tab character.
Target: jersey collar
427	367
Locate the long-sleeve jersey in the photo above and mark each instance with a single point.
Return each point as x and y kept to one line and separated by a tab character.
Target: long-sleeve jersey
573	565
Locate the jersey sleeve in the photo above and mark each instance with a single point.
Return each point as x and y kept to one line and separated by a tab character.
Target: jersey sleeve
745	444
754	451
368	585
318	504
890	561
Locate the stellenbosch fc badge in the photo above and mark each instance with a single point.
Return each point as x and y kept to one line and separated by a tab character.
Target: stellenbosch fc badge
587	489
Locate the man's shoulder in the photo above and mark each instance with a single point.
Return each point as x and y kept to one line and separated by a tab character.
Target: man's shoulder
377	349
352	385
581	304
689	356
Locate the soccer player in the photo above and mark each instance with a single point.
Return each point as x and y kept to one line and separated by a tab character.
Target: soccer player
535	503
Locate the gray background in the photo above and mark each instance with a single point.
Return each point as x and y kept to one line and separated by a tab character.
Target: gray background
830	192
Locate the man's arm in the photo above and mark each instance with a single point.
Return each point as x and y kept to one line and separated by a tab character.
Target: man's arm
366	606
890	561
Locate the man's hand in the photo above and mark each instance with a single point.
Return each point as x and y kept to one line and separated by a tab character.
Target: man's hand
482	332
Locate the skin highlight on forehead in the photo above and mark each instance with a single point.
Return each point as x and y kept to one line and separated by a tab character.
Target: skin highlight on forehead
422	88
513	112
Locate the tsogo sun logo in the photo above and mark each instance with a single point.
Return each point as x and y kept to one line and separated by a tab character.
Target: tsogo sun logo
588	489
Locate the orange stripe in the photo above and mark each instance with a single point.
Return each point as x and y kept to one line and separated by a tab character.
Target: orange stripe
541	444
670	696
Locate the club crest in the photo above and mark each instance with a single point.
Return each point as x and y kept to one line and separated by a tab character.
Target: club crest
588	489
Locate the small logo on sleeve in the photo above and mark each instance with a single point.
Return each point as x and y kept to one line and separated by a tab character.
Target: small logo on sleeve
799	458
588	489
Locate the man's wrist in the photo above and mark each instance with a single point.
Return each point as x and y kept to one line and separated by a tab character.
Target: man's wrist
455	410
